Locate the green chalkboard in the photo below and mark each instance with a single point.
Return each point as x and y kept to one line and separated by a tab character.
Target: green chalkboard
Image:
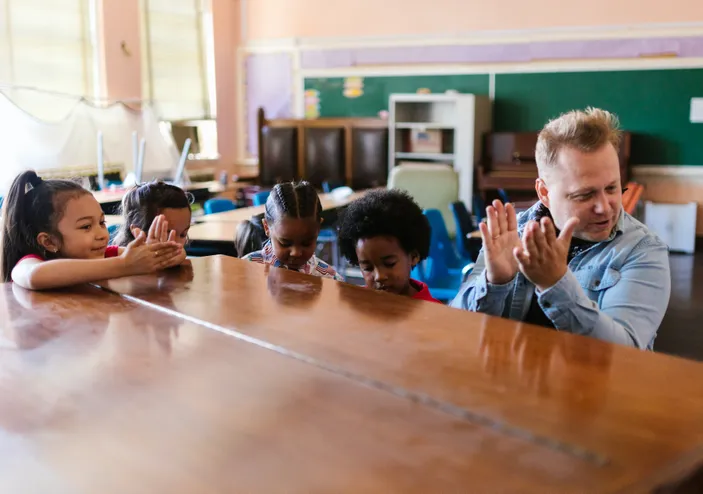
376	91
653	104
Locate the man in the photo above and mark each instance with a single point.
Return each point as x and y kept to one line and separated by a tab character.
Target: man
575	261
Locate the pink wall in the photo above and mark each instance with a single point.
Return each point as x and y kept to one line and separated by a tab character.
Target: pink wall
227	34
119	20
311	18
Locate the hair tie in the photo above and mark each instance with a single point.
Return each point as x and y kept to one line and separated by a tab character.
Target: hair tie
36	181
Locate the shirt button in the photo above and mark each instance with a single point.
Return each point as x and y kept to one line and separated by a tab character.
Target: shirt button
597	283
547	305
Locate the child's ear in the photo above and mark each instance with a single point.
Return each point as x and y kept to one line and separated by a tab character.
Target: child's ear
266	227
414	258
48	242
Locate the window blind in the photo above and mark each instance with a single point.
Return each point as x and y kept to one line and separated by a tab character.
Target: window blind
47	45
174	73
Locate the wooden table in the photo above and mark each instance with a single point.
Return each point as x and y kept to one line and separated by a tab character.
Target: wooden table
110	200
233	377
329	202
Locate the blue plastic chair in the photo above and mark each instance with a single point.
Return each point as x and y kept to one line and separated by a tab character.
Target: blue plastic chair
329	236
479	208
328	187
444	244
260	198
218	205
503	196
464	227
112	231
443	270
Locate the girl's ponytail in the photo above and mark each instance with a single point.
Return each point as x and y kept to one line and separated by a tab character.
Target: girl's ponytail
15	222
250	236
30	208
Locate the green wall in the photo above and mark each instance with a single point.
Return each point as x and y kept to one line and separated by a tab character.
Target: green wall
653	104
377	90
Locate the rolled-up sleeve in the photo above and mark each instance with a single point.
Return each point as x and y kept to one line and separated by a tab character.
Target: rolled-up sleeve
630	311
478	295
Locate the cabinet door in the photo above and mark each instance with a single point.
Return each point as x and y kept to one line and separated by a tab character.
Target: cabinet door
279	159
324	155
369	158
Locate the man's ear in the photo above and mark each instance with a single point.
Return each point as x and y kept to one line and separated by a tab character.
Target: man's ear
48	242
414	258
542	191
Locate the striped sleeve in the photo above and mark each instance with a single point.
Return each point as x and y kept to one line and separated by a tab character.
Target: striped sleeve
254	257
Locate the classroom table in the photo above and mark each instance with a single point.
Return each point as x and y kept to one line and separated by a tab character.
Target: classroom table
110	200
328	201
230	376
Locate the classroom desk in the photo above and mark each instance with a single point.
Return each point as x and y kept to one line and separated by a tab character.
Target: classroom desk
110	200
567	413
328	201
229	376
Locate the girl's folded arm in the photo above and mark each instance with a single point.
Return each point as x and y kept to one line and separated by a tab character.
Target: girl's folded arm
34	274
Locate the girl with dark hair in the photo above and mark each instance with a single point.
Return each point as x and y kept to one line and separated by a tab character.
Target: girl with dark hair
54	235
159	209
292	224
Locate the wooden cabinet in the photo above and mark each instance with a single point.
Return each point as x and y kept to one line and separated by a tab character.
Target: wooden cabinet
341	151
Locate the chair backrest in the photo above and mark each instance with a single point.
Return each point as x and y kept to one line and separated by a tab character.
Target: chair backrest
433	186
112	232
328	186
260	198
218	205
464	225
503	196
436	267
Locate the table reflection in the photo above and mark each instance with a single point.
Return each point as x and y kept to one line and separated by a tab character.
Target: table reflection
293	291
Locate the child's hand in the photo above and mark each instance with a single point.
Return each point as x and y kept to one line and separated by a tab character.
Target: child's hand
158	231
181	257
140	258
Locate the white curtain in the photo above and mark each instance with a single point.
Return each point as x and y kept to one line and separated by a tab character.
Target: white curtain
174	68
71	144
47	45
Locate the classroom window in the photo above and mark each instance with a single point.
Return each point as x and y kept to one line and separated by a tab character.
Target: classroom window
47	57
176	62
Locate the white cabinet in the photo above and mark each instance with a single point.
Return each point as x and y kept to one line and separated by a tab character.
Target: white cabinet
461	120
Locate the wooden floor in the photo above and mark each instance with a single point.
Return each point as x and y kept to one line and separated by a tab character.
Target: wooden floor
681	332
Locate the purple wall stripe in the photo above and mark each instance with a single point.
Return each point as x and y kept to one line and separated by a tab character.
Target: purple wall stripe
269	84
509	52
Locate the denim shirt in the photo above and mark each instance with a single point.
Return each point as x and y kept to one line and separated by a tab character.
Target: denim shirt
616	290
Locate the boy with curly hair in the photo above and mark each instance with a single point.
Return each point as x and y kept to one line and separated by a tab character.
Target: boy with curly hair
386	235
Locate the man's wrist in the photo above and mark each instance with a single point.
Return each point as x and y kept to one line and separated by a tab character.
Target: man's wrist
543	287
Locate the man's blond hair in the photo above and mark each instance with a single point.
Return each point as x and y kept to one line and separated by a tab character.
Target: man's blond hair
586	131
